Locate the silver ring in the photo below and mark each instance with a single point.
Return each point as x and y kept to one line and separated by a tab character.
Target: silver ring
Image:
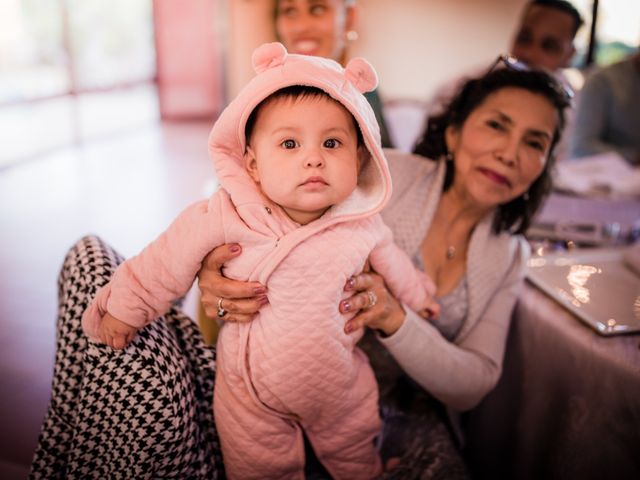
221	311
373	298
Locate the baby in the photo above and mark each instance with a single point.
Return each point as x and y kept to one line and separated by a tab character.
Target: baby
298	156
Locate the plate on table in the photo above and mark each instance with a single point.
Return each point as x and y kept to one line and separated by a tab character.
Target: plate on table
600	286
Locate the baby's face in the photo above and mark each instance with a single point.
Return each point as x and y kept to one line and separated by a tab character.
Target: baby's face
304	155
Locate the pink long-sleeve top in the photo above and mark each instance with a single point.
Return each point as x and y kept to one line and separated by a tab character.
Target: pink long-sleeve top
299	336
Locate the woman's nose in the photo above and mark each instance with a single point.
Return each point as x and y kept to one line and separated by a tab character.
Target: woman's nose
507	153
302	22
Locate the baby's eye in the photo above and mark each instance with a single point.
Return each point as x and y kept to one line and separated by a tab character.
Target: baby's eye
288	144
331	143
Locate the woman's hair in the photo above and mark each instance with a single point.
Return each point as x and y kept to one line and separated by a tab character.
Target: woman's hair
276	8
516	215
294	92
563	6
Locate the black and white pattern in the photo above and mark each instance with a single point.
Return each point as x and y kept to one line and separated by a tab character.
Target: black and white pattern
146	411
143	412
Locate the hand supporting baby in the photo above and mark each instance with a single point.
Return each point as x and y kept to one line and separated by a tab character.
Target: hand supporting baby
115	333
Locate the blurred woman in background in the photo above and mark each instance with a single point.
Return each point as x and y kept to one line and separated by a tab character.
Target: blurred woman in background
324	28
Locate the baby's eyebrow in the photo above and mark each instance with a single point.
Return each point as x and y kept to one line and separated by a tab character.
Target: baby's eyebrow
285	129
337	129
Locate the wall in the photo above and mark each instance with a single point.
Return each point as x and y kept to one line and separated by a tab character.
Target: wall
414	44
189	85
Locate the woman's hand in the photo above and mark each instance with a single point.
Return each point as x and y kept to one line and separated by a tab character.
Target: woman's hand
239	301
386	314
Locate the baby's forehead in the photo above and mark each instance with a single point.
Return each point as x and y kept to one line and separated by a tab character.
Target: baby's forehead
317	98
285	104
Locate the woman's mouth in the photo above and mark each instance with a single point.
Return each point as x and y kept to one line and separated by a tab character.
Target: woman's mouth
495	177
306	47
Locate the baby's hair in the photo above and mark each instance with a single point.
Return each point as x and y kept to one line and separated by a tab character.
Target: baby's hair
294	92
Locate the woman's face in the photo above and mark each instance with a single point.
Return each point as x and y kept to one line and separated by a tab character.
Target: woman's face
502	146
314	27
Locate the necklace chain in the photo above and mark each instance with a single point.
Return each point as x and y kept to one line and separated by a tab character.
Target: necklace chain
451	252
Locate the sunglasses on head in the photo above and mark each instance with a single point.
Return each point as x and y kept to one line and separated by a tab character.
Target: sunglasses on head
512	63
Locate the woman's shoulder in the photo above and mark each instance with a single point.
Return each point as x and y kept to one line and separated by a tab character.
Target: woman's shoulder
407	167
500	252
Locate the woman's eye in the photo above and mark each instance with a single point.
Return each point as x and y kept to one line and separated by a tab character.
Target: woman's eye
286	12
288	144
317	10
536	145
495	124
331	143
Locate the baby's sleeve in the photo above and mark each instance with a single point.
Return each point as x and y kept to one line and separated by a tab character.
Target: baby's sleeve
408	284
144	286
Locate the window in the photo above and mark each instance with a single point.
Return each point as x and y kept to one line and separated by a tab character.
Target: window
617	30
73	69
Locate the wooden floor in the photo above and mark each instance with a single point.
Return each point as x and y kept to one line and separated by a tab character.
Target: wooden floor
126	188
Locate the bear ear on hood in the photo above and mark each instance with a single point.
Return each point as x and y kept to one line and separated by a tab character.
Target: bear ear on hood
362	75
268	56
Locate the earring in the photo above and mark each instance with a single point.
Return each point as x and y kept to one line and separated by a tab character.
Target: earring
449	157
525	196
352	36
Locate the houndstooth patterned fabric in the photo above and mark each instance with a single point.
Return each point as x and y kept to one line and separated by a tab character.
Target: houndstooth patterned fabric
146	411
143	412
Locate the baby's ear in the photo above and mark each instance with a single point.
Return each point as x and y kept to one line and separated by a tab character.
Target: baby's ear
363	157
362	75
250	164
267	56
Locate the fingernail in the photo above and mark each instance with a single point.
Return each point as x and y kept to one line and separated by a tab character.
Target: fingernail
348	328
263	300
346	306
235	248
259	291
351	283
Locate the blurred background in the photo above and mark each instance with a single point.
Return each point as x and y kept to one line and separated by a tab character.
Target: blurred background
105	108
139	61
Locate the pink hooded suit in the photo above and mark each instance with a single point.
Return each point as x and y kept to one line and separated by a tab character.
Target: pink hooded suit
292	368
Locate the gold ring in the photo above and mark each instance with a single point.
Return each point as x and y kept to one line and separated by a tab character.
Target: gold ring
373	298
221	311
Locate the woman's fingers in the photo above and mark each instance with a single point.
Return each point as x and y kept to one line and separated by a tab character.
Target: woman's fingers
372	305
238	317
219	286
233	306
238	301
359	301
361	320
221	255
362	281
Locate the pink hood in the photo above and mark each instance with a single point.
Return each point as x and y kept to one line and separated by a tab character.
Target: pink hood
277	69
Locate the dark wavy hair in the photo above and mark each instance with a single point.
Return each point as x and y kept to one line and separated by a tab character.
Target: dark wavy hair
563	6
516	215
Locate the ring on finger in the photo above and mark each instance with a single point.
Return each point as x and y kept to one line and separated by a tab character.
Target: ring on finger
221	311
373	298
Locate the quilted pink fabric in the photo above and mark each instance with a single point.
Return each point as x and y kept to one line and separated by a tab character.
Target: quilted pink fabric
292	368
